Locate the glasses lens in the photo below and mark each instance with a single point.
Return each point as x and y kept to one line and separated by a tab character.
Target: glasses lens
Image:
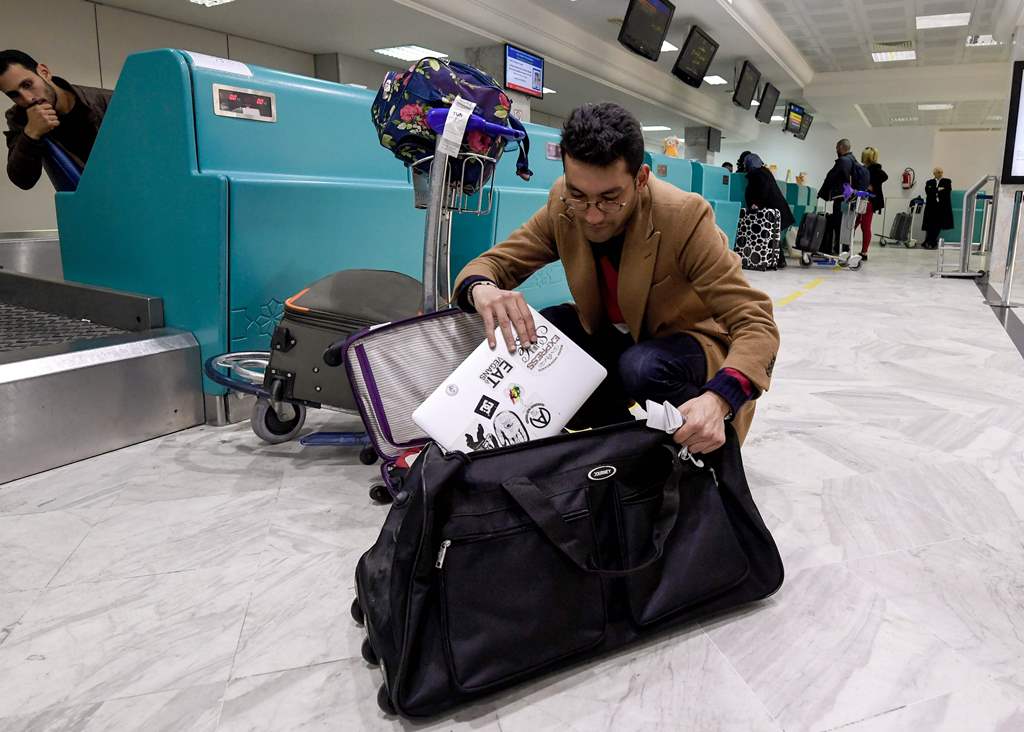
608	206
576	204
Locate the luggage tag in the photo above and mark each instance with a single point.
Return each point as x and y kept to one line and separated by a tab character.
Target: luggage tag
455	127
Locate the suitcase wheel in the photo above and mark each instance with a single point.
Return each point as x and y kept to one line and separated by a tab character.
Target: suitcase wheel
368	653
379	493
384	701
805	259
368	456
357	612
270	427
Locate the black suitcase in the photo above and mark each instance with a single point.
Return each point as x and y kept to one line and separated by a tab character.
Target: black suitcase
330	309
811	232
899	232
499	566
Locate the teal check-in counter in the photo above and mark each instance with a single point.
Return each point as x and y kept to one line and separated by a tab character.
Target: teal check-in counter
714	184
225	191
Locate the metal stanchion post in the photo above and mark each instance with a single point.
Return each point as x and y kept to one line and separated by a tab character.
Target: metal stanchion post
1011	255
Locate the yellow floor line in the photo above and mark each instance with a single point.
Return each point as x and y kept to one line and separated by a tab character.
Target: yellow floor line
799	293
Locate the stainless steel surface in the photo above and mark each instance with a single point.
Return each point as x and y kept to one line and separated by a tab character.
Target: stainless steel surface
124	310
31	252
963	265
70	402
1011	256
225	409
22	328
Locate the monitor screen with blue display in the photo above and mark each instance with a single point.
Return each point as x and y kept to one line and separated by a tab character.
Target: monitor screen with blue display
794	118
524	72
645	26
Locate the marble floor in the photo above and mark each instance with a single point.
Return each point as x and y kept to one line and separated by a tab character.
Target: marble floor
202	581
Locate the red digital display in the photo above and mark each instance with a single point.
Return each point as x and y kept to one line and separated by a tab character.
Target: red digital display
243	103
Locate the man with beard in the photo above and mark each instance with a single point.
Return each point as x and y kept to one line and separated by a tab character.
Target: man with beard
46	106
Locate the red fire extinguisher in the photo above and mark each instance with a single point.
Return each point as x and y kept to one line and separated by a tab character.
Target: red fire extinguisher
909	178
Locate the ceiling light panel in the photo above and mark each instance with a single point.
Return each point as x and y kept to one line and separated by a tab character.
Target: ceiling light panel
549	91
715	80
986	40
948	20
210	3
933	107
666	46
894	56
409	53
656	128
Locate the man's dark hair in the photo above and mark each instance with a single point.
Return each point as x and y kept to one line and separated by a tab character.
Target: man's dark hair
21	58
600	134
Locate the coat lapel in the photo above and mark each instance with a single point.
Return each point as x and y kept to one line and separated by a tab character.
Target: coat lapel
639	254
578	260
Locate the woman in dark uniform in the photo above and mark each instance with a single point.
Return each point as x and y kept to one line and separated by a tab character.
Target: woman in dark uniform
938	208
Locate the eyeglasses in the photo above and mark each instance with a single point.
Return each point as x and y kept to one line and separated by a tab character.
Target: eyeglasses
579	204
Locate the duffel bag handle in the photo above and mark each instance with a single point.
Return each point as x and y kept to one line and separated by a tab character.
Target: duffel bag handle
543	513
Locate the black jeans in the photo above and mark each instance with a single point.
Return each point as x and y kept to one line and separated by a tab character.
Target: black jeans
672	368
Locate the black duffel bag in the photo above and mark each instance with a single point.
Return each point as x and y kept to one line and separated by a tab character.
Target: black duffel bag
498	566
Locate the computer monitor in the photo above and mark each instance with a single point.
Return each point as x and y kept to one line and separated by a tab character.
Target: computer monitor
769	98
695	58
524	72
805	126
645	26
746	85
1013	152
794	116
714	140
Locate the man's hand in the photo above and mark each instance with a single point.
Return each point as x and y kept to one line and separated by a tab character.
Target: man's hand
704	430
508	310
41	119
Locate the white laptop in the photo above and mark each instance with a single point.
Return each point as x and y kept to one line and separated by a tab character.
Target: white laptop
495	399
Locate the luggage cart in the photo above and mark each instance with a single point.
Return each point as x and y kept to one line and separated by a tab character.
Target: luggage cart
441	185
853	204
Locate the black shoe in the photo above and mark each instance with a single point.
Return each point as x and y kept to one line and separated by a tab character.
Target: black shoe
864	256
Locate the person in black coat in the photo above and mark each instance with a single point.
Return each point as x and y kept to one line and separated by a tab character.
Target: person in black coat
876	203
831	191
763	190
938	208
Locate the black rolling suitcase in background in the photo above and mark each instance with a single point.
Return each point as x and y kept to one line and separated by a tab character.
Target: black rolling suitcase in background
899	232
811	233
499	566
332	308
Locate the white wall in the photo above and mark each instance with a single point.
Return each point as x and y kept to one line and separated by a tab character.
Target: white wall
967	156
87	44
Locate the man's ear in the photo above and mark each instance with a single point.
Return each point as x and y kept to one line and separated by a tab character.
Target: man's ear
642	176
44	71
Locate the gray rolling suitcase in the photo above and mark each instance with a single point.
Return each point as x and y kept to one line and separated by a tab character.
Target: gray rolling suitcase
899	232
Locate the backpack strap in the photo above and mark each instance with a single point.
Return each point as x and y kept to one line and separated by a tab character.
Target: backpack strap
523	163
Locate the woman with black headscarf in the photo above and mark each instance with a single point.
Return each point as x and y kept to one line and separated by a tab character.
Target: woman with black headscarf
763	190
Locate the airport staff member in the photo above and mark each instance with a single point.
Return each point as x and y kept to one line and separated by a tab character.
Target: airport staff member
660	300
46	106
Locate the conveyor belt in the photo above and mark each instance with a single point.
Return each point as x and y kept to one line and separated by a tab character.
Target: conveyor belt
22	327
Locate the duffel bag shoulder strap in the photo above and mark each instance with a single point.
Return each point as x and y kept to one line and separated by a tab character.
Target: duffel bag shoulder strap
547	518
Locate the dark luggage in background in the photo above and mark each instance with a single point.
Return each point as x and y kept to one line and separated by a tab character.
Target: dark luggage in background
899	232
499	566
811	232
332	308
757	239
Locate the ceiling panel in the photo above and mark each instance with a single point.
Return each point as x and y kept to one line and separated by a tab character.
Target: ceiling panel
840	37
976	113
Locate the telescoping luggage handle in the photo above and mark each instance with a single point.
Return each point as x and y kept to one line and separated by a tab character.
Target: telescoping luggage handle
543	513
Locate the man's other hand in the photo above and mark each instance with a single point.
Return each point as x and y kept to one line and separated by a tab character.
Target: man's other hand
41	119
508	310
704	429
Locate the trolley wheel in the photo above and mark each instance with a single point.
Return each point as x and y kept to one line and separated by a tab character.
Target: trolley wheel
805	259
384	701
368	456
271	428
379	493
882	242
855	264
357	612
369	655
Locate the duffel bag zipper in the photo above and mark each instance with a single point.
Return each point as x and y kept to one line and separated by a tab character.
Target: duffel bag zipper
473	538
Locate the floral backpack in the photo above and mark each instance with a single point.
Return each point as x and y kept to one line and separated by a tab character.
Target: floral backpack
400	115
